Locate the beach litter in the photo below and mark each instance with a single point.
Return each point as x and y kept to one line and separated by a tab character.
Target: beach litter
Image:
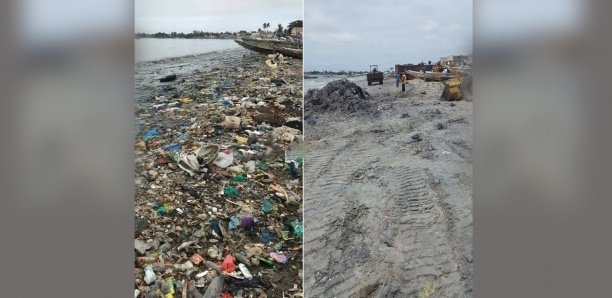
214	194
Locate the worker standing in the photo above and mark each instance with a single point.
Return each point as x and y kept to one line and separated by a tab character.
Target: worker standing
397	79
403	81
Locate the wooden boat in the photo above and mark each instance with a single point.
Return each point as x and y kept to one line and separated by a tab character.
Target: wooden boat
291	52
431	76
462	71
269	46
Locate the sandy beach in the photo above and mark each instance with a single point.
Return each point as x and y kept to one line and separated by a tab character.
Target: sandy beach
388	206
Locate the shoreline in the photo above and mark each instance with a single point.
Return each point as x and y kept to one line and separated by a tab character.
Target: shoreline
169	59
147	73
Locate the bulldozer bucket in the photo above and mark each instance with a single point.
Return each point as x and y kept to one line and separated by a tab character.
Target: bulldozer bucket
457	89
452	90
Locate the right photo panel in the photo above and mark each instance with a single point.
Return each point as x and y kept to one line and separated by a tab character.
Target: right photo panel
388	152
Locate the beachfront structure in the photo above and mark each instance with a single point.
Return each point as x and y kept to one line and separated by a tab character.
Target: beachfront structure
459	60
297	31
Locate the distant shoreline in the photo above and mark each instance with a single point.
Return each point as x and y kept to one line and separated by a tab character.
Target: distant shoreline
185	37
333	73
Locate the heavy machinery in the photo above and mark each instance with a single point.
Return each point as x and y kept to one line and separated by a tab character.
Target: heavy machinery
374	75
457	88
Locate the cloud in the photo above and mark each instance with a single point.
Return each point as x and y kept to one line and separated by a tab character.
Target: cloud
345	37
334	38
337	36
455	28
212	15
428	26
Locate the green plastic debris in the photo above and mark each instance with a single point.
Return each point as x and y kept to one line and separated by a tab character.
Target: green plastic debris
176	157
165	208
298	163
262	165
239	178
230	191
162	210
170	281
266	207
267	261
298	228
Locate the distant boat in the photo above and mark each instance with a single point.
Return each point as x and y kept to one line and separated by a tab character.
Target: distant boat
269	46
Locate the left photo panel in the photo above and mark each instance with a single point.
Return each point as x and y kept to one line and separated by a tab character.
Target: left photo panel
218	131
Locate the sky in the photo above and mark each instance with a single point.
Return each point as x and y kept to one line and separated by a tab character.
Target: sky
509	20
351	35
154	16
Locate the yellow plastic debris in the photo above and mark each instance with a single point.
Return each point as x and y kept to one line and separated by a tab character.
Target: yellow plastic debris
241	140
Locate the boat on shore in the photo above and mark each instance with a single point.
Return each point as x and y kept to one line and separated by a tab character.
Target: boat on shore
270	46
291	52
462	71
431	76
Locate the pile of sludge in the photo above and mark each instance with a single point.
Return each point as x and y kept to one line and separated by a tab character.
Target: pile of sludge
340	96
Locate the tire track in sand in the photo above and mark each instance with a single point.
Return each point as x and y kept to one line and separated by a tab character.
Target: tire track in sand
337	232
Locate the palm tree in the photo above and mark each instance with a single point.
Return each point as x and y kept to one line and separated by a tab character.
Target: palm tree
279	31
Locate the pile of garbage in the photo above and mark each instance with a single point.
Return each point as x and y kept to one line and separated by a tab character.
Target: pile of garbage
340	96
218	208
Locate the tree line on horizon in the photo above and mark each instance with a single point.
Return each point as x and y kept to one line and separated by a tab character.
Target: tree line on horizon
280	31
194	34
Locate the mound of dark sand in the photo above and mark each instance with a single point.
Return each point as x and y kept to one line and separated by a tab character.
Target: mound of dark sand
340	96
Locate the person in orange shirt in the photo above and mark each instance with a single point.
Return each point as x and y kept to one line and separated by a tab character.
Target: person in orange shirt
404	80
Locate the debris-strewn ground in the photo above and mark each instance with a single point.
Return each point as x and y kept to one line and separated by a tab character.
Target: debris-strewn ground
236	201
388	199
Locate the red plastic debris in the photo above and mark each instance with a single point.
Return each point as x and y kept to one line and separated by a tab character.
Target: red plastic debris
228	264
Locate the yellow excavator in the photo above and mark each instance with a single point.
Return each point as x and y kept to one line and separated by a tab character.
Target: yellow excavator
458	88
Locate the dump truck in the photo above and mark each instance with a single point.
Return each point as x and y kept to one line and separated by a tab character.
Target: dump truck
374	75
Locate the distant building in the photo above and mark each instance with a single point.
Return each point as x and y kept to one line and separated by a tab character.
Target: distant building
297	31
459	60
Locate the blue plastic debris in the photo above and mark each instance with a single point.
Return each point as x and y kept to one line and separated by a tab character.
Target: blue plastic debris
183	137
233	223
150	134
173	147
266	237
